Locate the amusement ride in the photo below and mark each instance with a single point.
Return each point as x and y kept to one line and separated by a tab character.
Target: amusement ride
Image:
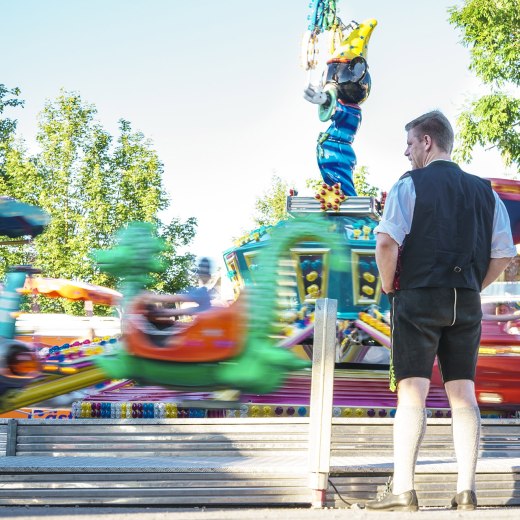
251	358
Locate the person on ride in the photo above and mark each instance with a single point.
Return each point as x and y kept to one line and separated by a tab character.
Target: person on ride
163	309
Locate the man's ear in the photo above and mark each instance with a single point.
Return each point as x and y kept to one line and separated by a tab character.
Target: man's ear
429	142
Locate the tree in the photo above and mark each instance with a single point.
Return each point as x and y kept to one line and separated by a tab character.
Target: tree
180	271
363	187
19	175
271	207
71	145
137	168
7	125
492	31
13	159
91	184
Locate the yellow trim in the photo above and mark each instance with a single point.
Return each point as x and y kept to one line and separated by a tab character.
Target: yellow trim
296	254
359	299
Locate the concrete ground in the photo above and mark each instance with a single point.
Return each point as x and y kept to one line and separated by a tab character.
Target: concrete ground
149	513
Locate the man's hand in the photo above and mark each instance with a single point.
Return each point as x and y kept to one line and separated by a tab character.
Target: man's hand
389	289
387	250
315	95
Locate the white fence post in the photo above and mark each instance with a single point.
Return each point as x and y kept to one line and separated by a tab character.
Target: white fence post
322	387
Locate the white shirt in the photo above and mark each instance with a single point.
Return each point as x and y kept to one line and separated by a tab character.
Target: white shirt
398	215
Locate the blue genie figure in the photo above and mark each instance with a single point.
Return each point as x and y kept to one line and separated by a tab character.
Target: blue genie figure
346	86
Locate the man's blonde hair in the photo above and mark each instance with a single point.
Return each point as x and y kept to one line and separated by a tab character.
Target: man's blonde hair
436	125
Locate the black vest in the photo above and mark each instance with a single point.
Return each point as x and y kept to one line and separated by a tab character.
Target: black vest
449	244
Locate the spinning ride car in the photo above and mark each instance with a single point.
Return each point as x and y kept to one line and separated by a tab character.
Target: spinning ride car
222	347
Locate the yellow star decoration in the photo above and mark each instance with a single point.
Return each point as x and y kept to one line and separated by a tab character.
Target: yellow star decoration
330	197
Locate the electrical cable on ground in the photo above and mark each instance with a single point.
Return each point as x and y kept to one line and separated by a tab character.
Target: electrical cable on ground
339	494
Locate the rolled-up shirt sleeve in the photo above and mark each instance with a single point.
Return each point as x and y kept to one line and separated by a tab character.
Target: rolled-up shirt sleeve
398	212
501	239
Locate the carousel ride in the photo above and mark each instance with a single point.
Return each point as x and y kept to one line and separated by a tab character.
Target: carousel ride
363	337
166	366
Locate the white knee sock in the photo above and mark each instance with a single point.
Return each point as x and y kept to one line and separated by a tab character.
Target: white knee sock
465	423
409	428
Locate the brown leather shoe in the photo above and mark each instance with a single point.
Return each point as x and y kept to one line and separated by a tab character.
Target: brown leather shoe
465	501
406	501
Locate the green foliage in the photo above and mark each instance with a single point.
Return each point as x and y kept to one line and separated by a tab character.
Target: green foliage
179	272
7	125
313	184
136	168
363	187
271	207
13	166
491	29
92	184
491	119
492	32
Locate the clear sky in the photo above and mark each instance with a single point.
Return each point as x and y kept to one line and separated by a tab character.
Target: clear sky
217	86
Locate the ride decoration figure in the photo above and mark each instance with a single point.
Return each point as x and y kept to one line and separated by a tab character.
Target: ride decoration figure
347	85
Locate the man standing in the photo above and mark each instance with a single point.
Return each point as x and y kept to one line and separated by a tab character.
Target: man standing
444	236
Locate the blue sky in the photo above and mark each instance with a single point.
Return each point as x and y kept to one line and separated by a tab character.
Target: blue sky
217	86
